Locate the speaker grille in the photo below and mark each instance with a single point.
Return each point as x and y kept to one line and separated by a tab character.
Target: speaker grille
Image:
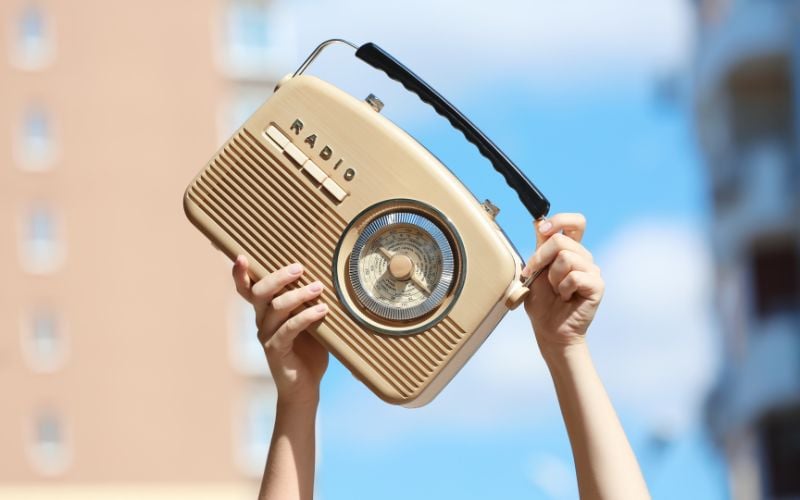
246	191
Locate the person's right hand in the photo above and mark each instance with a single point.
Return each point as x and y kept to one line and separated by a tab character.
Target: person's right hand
563	301
297	361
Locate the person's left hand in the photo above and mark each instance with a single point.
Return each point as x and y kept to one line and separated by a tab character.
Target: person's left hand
296	360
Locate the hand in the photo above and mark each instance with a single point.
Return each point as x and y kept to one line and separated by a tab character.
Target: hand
297	361
564	299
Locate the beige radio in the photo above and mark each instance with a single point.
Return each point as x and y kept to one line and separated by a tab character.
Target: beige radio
416	271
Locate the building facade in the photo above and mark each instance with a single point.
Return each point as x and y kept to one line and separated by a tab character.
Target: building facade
127	364
747	98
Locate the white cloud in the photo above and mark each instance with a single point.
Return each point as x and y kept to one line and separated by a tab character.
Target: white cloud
652	342
653	337
461	42
554	476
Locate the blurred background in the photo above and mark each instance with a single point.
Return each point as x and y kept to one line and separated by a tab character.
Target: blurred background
129	369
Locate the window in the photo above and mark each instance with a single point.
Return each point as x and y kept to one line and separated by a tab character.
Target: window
258	40
33	46
48	449
41	248
760	126
247	354
761	101
43	340
35	149
776	277
249	23
781	451
255	427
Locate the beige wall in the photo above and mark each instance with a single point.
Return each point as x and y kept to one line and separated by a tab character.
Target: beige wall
147	391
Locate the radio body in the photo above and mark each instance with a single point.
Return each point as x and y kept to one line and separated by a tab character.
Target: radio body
416	271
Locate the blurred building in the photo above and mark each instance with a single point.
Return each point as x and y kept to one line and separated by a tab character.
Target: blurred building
748	112
127	367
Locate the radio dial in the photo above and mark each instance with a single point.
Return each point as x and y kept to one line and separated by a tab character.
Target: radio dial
402	265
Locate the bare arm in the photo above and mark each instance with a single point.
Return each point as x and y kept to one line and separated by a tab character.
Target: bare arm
290	464
297	363
561	306
604	461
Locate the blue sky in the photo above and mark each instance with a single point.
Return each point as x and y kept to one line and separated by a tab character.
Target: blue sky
617	154
571	93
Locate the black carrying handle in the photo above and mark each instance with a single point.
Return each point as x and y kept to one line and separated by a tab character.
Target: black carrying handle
531	197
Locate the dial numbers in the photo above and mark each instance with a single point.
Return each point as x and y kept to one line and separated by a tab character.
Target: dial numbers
392	243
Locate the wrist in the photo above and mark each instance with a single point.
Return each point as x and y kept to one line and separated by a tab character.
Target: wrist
562	354
298	405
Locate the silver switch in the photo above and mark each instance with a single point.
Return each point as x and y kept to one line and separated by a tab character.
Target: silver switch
374	102
490	208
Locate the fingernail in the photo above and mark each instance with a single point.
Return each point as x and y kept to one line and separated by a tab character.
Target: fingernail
239	260
315	287
295	269
545	226
321	308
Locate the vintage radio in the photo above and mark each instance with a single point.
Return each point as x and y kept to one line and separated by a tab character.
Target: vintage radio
416	271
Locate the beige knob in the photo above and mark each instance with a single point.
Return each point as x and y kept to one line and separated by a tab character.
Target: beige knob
400	266
517	297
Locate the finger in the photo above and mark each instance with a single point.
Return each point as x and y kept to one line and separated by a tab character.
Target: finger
586	284
270	285
273	283
281	343
546	253
240	277
571	224
540	227
282	305
565	262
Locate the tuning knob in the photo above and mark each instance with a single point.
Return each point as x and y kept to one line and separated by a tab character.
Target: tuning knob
517	297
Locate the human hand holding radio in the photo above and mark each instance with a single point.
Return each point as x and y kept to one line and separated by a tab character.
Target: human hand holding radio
561	305
563	301
297	361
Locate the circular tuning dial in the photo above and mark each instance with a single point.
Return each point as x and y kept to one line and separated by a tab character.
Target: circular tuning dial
402	266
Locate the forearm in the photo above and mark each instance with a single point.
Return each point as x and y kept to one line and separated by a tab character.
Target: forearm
605	464
289	473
